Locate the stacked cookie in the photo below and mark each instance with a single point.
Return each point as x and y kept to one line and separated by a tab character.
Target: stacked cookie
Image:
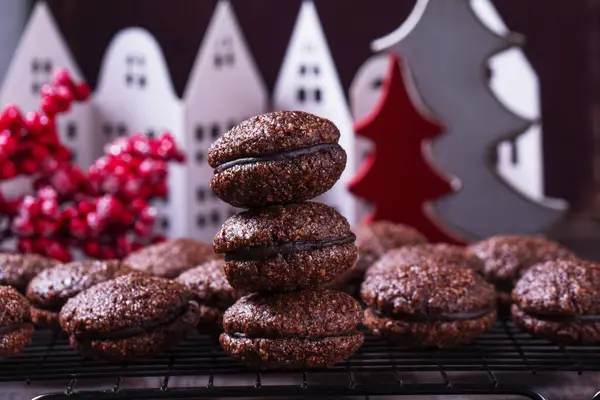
284	248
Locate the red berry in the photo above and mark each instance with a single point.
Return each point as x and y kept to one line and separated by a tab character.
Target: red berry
127	159
30	206
78	228
158	239
9	170
11	206
95	224
123	245
82	92
62	154
11	118
48	134
25	245
154	148
46	228
47	90
39	153
61	76
142	229
59	252
161	189
40	244
102	163
109	208
33	123
47	124
28	167
49	106
135	246
160	170
63	183
9	143
107	253
64	94
120	172
146	192
49	208
140	144
110	185
167	147
132	187
77	177
119	146
47	193
23	226
148	215
49	165
137	205
94	172
70	213
145	168
91	248
85	207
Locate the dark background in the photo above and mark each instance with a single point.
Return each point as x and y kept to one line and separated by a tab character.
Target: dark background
559	38
562	43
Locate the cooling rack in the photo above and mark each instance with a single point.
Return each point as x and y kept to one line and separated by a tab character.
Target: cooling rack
199	368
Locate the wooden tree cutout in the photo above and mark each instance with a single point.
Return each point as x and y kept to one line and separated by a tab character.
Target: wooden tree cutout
396	177
446	47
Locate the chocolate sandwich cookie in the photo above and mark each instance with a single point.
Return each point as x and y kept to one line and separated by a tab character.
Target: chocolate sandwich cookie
285	248
209	287
375	239
52	287
15	330
506	258
170	258
17	270
306	329
276	158
428	305
560	300
435	253
130	317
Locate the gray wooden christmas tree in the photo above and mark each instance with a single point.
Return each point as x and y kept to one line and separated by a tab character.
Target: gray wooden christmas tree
447	48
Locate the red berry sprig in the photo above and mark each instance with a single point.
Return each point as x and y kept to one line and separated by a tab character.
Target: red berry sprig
104	211
30	145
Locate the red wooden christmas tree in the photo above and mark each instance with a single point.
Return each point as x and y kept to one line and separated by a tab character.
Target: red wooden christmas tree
397	177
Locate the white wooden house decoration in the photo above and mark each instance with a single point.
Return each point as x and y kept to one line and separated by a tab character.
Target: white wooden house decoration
225	88
135	94
39	53
308	81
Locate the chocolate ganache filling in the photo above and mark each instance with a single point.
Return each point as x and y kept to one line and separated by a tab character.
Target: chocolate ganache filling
585	318
262	252
284	155
443	317
4	330
215	303
144	328
273	335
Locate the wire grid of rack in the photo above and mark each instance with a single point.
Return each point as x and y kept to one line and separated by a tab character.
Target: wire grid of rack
378	368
